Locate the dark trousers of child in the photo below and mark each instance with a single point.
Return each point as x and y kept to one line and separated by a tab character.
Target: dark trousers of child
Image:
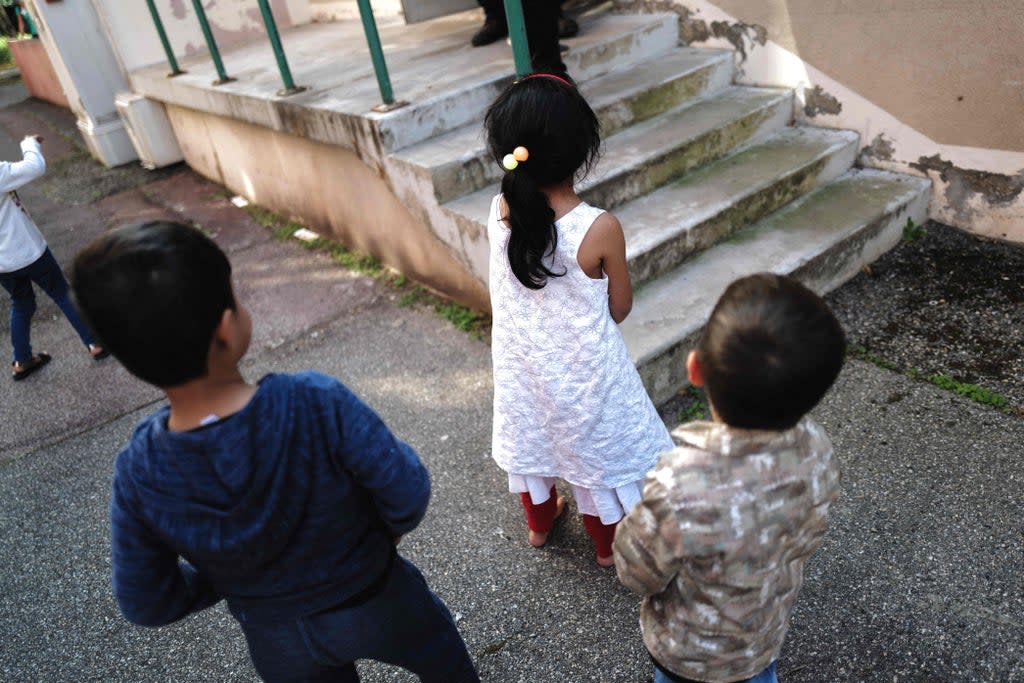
46	273
540	518
403	624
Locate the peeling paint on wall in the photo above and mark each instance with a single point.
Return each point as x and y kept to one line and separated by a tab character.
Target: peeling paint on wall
693	29
818	102
738	33
880	149
963	185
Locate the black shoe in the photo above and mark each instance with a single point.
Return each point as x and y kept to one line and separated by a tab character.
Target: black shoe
567	28
492	31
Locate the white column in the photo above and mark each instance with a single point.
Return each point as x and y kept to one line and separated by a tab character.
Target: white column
90	73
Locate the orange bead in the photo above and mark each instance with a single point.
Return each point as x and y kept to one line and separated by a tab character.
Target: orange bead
521	154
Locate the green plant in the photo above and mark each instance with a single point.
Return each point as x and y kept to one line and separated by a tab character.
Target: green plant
862	353
912	232
462	317
5	51
696	407
458	315
970	391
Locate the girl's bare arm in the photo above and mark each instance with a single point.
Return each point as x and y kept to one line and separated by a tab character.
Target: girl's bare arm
604	251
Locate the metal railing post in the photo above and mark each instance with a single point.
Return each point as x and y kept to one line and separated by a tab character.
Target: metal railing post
211	43
517	34
275	42
380	67
175	71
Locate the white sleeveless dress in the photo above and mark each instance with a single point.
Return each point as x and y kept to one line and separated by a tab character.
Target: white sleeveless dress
568	401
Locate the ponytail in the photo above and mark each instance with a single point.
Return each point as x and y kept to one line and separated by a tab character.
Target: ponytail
533	236
542	132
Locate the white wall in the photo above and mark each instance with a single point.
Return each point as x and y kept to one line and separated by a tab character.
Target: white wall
233	21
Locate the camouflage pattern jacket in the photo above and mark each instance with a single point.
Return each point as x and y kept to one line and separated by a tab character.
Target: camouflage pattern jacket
719	542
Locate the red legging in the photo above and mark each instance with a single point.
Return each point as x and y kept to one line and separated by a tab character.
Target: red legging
540	518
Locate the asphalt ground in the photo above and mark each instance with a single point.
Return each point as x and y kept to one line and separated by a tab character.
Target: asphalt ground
918	580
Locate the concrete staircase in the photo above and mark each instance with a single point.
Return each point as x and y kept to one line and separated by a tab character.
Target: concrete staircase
710	180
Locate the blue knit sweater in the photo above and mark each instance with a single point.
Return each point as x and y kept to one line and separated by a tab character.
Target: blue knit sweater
285	508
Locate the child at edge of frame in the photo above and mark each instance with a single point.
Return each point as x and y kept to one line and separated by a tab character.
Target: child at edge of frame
729	517
287	498
569	403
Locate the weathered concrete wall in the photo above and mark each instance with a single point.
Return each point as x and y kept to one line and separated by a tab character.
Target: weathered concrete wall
233	21
935	89
329	188
37	71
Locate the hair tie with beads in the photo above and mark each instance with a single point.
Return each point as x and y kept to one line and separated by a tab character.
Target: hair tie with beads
518	155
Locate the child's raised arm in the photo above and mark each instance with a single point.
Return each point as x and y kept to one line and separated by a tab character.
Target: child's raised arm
14	174
603	250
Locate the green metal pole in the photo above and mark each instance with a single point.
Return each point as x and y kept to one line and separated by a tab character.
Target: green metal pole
380	67
517	33
175	71
211	43
275	42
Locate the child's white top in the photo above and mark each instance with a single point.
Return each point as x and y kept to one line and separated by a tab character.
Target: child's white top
568	401
21	243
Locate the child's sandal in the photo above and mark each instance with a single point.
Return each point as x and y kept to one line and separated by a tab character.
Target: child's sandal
98	352
27	368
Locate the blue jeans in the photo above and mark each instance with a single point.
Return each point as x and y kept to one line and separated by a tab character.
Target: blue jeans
404	624
766	676
45	272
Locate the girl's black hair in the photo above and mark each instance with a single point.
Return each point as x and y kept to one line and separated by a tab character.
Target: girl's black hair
555	124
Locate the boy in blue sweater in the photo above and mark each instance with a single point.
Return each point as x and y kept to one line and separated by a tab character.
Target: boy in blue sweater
285	498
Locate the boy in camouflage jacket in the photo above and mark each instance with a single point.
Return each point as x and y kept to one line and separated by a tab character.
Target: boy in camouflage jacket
730	516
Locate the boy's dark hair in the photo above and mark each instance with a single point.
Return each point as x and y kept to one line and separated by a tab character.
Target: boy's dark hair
770	351
549	117
154	294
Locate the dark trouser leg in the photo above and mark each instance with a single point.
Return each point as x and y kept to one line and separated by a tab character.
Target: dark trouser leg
46	273
542	30
405	625
494	10
23	306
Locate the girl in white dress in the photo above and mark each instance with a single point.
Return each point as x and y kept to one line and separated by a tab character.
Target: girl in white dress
568	401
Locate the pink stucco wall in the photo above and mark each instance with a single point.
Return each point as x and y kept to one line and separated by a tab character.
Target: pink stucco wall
37	71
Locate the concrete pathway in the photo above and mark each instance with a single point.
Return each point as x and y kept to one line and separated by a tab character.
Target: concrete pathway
919	579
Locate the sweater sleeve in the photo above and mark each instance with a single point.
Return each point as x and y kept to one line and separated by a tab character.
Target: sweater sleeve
385	467
151	585
14	174
648	542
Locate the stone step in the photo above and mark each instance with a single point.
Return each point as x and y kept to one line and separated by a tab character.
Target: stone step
648	155
668	226
458	162
822	239
608	42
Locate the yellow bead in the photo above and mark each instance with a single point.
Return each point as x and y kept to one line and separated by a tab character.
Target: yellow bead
509	162
521	153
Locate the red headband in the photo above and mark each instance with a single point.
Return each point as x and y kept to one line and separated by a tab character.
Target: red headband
557	78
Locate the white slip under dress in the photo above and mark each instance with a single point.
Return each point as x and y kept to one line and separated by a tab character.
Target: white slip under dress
568	401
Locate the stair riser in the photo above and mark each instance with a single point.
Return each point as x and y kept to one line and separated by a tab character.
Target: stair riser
649	103
425	120
665	374
634	48
614	190
671	253
460	178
